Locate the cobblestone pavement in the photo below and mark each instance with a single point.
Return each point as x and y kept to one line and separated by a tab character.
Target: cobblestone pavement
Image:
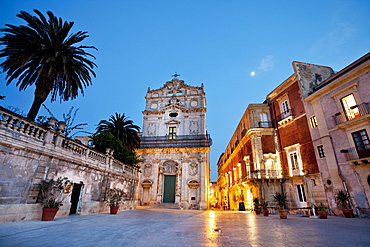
165	227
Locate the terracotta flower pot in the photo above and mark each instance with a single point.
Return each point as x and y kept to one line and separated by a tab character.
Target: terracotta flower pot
48	214
114	210
258	211
265	213
323	214
348	213
283	214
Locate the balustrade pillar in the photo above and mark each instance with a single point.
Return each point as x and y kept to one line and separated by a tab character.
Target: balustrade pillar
60	136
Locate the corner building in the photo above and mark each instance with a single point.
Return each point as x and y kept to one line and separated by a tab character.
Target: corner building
174	147
250	166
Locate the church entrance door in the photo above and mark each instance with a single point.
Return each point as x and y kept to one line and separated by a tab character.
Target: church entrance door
169	188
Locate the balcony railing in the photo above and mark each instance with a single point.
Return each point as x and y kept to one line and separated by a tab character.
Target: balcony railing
264	174
265	124
354	112
353	154
181	141
284	115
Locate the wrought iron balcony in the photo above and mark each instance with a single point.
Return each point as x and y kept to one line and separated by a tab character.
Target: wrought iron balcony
357	156
287	115
265	124
178	141
354	112
264	174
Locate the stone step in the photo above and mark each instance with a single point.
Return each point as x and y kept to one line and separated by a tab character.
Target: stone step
167	206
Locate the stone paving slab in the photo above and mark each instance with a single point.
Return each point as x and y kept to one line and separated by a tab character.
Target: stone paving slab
166	227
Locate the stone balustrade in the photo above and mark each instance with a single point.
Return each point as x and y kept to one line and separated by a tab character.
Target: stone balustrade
30	152
21	125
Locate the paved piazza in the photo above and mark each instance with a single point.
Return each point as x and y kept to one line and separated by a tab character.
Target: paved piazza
165	227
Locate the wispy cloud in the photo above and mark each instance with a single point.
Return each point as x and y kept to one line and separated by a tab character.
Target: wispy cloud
266	63
339	35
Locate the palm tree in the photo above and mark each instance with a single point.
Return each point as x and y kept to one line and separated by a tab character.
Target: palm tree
121	128
43	53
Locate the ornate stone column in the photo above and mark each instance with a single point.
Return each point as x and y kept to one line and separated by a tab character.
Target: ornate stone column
159	186
178	184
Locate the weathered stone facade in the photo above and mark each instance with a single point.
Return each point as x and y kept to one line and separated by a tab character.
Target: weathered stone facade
341	108
174	147
30	153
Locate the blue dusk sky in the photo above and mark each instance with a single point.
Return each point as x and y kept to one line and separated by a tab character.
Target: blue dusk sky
218	43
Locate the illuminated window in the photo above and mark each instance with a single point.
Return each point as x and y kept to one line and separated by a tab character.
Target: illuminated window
313	122
294	160
172	133
320	150
350	107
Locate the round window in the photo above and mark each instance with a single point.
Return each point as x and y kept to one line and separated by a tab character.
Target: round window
328	182
173	114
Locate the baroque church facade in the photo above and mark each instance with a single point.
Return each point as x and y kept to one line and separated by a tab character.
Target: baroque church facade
174	147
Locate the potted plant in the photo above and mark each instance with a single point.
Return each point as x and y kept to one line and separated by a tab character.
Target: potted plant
114	197
265	209
321	210
343	201
280	198
256	203
52	194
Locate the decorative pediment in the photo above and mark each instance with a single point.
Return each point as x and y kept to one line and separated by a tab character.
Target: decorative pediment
173	122
193	184
147	183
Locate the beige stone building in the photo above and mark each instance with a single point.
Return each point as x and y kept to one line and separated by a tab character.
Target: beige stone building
339	114
174	147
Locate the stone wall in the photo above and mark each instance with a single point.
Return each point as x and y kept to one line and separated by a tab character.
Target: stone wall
30	153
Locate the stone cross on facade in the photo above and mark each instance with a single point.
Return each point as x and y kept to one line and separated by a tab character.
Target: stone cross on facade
175	75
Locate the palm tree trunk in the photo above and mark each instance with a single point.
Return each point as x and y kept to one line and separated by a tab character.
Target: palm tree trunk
41	93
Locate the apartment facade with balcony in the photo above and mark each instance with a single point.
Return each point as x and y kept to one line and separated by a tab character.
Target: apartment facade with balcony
339	113
250	167
174	147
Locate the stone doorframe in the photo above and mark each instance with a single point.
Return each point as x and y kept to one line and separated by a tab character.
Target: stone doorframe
169	167
146	187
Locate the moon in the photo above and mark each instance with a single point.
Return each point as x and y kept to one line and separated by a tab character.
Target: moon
253	73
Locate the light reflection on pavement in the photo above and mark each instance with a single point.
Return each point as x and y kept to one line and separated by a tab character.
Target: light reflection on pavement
167	227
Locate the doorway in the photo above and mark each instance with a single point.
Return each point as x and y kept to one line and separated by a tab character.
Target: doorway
76	199
169	189
302	200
